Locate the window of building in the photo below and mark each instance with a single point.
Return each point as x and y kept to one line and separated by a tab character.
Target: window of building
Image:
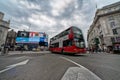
113	40
110	18
0	35
112	24
118	39
115	31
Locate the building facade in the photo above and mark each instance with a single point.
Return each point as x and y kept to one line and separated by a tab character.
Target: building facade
104	33
4	26
10	40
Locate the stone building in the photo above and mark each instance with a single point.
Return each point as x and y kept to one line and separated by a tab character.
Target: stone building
4	26
10	41
104	33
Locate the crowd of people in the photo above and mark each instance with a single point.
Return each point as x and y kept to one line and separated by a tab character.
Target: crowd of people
97	49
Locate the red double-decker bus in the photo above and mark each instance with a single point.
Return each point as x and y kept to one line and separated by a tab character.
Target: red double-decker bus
68	41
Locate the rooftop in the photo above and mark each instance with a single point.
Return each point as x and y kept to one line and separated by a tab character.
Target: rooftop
112	5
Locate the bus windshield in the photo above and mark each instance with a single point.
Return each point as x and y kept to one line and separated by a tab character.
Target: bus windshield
79	43
77	31
78	38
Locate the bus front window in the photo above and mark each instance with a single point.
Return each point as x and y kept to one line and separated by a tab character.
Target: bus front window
79	43
78	38
77	31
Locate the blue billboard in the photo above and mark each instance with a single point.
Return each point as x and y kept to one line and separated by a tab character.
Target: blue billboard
31	37
34	39
22	40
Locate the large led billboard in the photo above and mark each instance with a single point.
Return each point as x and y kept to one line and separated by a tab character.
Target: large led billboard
31	37
22	37
34	37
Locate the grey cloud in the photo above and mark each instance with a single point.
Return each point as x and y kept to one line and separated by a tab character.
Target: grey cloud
44	4
18	12
70	10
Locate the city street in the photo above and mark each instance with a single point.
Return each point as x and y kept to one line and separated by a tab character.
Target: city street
48	66
30	30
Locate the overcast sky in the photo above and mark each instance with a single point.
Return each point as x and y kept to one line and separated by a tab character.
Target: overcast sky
51	16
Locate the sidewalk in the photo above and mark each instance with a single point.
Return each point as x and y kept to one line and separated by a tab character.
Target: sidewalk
25	52
98	53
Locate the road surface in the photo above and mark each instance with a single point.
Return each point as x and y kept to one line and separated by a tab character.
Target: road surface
48	66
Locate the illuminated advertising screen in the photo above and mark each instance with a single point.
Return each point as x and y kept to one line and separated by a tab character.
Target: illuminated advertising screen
34	37
23	34
31	37
22	37
22	40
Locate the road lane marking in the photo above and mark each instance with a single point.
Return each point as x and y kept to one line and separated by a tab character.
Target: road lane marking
20	57
14	65
71	61
83	73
